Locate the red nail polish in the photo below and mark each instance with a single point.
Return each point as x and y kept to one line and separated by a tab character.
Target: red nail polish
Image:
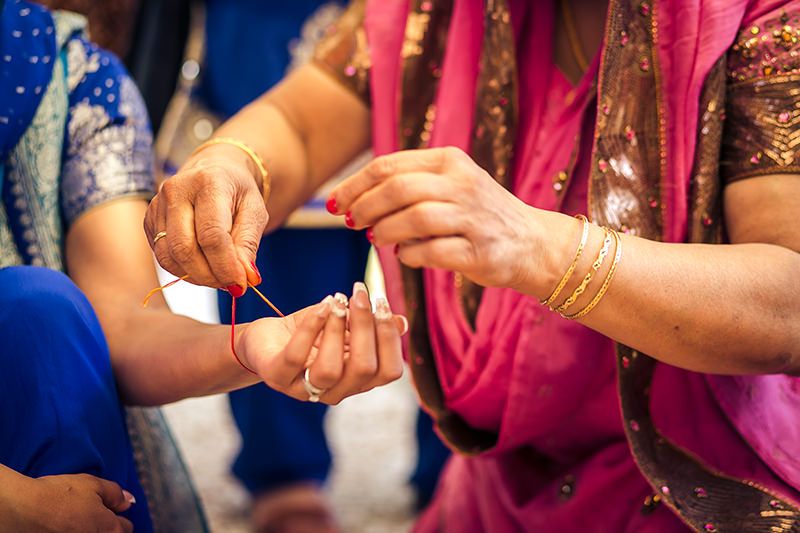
348	220
370	235
330	205
235	290
396	249
255	269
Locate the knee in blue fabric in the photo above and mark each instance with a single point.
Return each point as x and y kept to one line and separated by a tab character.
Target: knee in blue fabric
54	364
59	399
41	296
37	306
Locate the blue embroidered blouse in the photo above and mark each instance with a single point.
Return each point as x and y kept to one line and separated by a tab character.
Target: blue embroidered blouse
74	132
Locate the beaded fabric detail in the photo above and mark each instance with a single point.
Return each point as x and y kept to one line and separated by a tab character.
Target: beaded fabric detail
762	134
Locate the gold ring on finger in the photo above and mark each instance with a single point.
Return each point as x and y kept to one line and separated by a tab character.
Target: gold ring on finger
160	235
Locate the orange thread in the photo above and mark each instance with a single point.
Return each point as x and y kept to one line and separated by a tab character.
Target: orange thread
266	300
161	288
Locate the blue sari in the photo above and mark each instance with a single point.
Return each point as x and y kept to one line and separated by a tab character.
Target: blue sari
73	135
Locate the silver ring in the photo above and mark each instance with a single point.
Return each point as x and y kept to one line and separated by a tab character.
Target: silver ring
313	392
160	235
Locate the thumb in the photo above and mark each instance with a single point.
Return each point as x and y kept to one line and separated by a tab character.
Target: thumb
249	223
113	496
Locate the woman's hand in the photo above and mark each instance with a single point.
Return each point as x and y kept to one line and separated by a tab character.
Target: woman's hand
66	503
443	211
214	216
348	352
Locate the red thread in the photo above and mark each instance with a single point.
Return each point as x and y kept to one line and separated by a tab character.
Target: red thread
233	337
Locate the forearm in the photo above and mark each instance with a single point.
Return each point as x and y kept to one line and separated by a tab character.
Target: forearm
305	129
159	357
728	309
12	486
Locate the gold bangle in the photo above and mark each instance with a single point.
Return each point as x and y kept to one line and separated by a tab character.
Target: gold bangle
595	267
602	292
265	181
568	274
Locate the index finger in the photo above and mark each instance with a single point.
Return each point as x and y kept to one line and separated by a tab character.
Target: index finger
382	168
213	225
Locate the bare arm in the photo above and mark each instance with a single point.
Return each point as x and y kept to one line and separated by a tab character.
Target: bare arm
305	129
726	309
151	348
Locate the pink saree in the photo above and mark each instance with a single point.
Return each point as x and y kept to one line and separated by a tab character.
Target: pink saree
559	428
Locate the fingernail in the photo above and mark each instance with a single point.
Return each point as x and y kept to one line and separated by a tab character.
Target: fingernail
404	320
235	290
348	220
382	309
255	269
325	306
339	305
370	235
330	205
129	497
360	295
396	249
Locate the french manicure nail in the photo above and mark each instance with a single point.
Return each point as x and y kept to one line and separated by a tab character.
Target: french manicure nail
235	290
348	220
360	295
382	309
129	497
330	205
339	305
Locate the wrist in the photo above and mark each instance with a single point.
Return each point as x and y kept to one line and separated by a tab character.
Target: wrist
549	248
239	353
230	155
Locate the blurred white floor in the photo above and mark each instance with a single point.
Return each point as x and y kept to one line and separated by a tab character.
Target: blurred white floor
371	437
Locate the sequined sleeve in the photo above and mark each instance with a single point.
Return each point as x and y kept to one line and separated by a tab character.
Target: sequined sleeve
762	130
109	143
343	51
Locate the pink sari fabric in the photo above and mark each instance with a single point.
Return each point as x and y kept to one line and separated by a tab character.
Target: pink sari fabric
547	386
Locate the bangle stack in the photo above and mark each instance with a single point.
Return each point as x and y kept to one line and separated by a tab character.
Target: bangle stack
610	235
262	169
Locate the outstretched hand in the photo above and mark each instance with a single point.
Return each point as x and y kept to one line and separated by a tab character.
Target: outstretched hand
346	348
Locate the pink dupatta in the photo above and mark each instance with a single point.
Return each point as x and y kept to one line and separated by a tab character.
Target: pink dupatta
546	386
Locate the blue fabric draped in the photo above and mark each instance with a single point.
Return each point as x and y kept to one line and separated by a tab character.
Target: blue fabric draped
59	412
79	134
27	51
